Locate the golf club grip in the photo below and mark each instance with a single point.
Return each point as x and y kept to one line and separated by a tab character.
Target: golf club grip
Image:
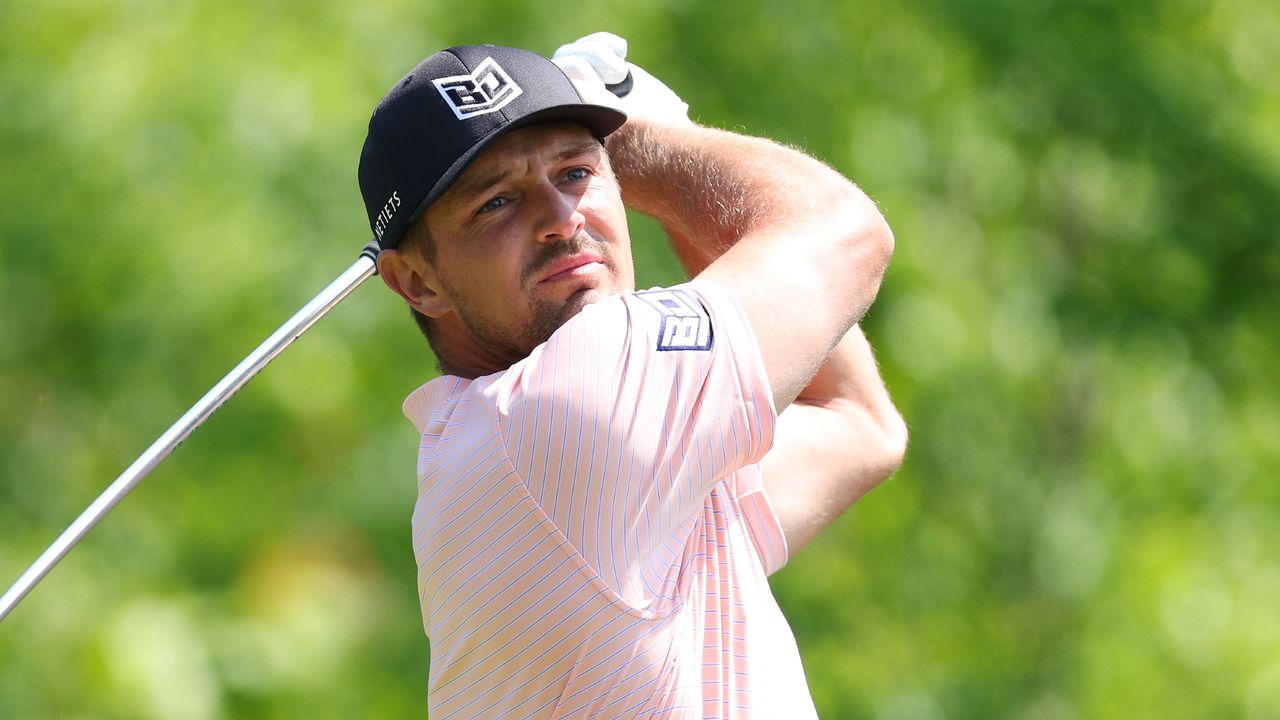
372	250
623	87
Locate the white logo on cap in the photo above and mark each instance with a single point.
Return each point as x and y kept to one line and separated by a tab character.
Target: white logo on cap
487	89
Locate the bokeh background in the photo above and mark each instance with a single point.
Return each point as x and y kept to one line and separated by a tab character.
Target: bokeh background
1080	324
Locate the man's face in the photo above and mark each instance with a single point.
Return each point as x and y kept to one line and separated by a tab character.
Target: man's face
531	233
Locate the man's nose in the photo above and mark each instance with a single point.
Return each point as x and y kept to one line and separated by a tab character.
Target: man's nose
559	218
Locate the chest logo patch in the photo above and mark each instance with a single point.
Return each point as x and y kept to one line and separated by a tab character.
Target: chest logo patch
685	323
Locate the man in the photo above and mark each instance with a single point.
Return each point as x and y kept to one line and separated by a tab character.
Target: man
606	477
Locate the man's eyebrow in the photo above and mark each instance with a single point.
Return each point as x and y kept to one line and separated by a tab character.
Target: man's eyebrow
585	147
468	187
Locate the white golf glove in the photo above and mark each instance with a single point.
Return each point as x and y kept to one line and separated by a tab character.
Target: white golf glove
600	59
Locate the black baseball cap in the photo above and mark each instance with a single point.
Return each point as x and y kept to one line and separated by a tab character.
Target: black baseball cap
427	130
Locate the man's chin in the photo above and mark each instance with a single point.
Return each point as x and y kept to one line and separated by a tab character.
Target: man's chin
579	300
568	308
549	314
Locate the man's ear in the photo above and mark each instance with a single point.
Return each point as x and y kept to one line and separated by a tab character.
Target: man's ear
414	279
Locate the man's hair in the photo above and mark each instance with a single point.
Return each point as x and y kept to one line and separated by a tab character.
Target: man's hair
417	239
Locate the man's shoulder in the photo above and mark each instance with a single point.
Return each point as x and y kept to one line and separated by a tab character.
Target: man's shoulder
679	317
682	319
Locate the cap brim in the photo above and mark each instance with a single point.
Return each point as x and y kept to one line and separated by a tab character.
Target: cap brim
601	120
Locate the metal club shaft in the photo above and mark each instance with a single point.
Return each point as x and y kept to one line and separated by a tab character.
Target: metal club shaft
321	304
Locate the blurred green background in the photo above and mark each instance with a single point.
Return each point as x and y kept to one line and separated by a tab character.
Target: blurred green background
1081	327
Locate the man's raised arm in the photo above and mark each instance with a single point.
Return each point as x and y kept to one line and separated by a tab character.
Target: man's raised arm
801	248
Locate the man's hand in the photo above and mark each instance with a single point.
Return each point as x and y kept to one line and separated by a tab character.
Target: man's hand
599	60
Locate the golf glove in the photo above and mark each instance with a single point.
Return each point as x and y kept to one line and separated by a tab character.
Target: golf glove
599	60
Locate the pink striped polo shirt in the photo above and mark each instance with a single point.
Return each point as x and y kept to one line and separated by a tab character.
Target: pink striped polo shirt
592	533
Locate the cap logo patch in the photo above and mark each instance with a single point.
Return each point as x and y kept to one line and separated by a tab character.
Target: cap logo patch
487	89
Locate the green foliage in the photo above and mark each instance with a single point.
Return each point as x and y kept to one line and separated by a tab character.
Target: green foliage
1080	326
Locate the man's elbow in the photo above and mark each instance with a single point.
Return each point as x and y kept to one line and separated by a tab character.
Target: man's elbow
866	236
876	234
890	446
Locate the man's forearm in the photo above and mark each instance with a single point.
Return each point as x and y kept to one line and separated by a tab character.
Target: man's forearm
708	188
661	175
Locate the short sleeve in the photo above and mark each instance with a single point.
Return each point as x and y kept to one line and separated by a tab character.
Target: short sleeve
626	418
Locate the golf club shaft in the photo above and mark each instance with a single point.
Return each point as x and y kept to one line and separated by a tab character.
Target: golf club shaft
348	281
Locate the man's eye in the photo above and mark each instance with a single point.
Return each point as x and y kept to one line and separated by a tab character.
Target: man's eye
578	173
492	205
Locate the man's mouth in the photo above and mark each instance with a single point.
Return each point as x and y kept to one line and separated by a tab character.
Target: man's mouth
570	267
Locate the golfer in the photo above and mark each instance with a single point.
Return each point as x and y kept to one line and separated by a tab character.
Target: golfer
606	477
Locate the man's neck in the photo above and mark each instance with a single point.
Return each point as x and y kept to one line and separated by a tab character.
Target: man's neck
459	353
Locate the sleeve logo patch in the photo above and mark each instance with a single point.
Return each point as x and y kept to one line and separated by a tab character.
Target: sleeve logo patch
685	323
